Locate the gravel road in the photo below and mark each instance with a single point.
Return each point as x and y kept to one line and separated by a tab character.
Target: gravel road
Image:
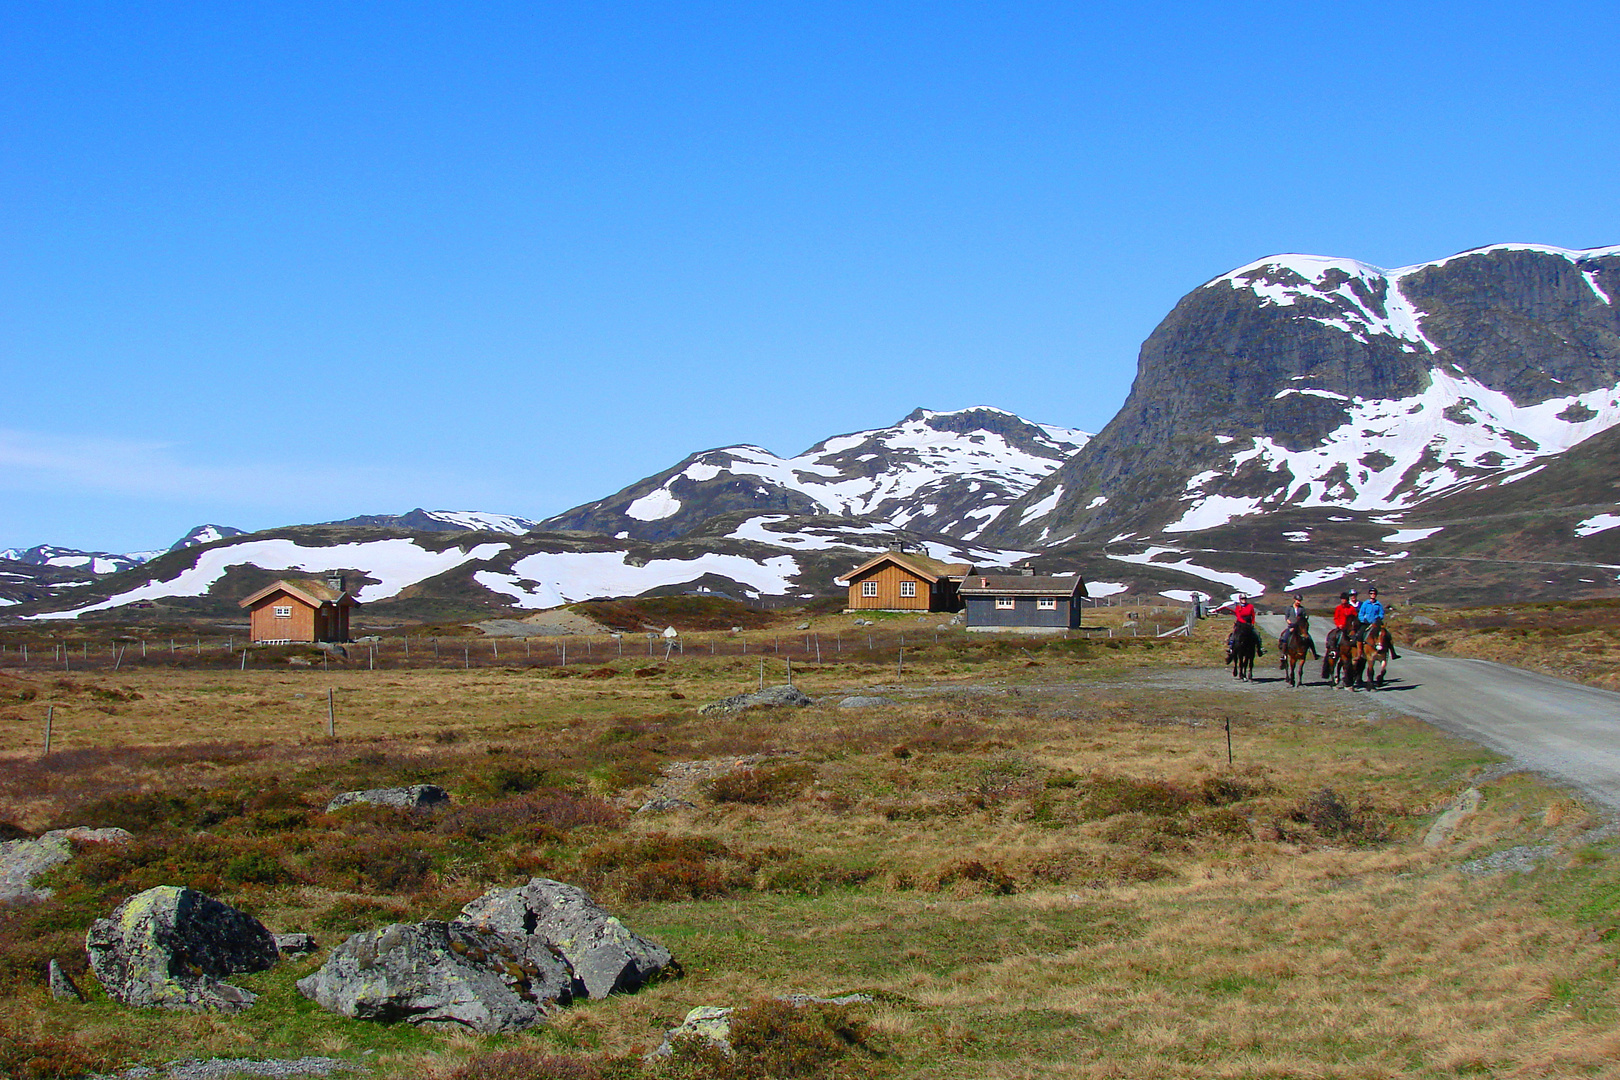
1560	729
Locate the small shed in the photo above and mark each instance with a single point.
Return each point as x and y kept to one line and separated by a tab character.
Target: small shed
285	612
1023	603
903	581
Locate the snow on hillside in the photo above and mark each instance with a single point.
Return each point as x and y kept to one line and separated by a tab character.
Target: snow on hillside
916	458
397	563
1391	454
861	538
480	521
93	562
551	579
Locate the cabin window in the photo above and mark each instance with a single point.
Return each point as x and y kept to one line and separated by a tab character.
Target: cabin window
868	588
1004	602
283	611
908	588
1046	603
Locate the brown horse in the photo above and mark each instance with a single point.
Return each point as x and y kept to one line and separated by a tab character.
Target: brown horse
1347	655
1296	648
1376	652
1241	650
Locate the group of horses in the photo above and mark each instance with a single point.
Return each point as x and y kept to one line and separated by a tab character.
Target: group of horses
1349	658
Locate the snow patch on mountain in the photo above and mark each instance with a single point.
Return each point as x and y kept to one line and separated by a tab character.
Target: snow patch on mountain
1151	557
397	563
549	579
655	506
1600	523
482	521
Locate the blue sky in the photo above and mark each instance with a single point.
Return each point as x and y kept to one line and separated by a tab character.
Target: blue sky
275	263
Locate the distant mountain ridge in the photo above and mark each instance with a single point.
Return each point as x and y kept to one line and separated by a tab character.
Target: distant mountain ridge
1450	429
946	473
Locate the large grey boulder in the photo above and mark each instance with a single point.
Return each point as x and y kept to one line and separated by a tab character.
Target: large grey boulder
549	916
172	947
768	697
23	860
435	972
415	797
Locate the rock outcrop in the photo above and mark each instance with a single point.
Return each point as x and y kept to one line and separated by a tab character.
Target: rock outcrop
419	797
440	973
548	916
23	860
172	947
769	697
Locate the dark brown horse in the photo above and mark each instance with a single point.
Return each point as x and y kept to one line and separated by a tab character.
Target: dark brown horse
1346	655
1296	648
1241	650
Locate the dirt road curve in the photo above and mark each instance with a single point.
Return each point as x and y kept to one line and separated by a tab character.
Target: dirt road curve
1561	729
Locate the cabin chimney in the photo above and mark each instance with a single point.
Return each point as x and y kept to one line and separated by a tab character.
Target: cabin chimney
1027	571
334	581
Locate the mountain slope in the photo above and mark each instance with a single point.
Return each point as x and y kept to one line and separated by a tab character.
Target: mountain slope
947	473
1301	381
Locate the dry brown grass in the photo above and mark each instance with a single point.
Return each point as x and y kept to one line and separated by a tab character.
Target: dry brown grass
1577	640
1036	870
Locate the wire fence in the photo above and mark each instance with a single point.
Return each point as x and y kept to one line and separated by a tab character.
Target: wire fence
397	652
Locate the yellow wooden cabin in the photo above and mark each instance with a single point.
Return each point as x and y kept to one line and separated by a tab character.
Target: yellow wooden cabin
903	581
285	612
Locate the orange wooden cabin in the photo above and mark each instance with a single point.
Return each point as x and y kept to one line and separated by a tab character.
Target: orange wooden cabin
286	612
902	581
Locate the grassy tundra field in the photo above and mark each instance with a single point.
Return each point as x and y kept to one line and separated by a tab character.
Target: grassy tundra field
1037	863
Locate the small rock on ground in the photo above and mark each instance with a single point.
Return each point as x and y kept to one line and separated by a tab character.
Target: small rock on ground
768	697
866	701
1519	860
415	797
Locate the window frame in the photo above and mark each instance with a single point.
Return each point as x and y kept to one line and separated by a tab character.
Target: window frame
281	611
908	590
1006	603
869	588
1046	603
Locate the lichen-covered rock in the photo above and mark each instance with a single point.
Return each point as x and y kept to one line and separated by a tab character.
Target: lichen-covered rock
604	955
766	698
865	701
61	984
23	860
435	972
172	947
709	1023
295	944
415	797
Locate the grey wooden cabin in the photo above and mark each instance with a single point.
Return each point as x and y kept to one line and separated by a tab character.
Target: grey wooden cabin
1022	603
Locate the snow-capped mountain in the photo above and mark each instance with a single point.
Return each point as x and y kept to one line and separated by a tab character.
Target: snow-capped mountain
420	520
202	534
91	562
1301	381
947	473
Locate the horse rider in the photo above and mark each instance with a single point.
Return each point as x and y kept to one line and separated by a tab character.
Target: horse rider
1341	616
1370	612
1243	615
1295	620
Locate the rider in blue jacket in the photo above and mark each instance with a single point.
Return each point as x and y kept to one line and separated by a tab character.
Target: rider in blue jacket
1369	612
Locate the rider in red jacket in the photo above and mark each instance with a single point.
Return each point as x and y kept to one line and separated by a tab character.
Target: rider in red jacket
1245	613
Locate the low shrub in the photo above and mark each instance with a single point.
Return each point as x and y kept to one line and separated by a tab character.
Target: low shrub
1107	795
664	867
34	1055
1330	816
772	1039
760	786
992	877
374	863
